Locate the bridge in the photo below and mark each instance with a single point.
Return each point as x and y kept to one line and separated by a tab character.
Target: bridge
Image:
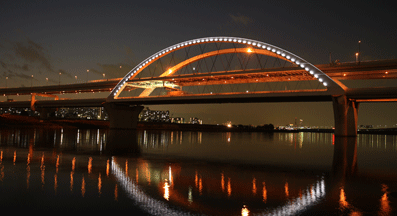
221	70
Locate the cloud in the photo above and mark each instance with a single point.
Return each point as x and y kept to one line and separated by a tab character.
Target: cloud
241	19
32	53
3	64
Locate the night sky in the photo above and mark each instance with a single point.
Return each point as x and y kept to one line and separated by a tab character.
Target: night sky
43	38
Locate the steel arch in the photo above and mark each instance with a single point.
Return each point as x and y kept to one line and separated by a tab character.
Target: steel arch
333	87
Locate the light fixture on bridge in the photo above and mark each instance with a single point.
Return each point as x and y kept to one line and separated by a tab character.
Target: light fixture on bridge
324	83
321	80
316	75
249	50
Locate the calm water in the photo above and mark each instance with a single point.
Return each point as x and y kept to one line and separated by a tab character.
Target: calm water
185	173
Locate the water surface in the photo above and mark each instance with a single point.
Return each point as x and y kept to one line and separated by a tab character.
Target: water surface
182	173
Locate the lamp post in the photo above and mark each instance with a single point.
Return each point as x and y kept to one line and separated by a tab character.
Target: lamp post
60	78
31	82
7	85
46	79
359	60
87	75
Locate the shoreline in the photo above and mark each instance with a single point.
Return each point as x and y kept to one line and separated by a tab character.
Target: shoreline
7	121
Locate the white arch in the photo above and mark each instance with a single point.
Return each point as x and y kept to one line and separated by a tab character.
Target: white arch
333	87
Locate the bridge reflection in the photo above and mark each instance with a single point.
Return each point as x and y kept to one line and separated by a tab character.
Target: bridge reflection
179	189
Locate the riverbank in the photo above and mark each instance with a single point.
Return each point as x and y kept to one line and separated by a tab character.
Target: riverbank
7	121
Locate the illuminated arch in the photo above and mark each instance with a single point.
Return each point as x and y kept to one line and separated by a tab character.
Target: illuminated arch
333	87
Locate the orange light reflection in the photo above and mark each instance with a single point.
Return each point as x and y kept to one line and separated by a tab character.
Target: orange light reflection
245	211
166	191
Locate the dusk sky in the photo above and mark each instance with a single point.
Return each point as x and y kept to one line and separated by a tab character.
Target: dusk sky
43	38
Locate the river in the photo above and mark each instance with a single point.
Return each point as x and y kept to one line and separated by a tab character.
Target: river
162	172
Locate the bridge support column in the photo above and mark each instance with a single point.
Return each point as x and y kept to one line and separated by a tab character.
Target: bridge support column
45	113
345	116
122	116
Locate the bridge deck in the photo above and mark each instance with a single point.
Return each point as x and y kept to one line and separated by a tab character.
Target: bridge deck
384	69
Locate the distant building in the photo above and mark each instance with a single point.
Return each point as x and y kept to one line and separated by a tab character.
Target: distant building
196	120
179	120
82	112
155	115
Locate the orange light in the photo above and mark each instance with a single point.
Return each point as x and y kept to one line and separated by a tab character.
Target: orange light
249	50
344	74
356	54
386	72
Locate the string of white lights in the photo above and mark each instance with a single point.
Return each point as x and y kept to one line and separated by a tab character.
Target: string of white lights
315	72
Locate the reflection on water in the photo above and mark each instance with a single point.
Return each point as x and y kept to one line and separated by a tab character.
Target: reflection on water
225	174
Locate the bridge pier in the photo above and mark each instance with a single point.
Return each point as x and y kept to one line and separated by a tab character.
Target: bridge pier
45	113
122	116
345	116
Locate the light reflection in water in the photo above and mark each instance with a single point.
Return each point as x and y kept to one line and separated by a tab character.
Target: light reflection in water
245	211
286	189
385	208
254	186
166	191
222	182
99	184
293	205
42	168
264	193
89	167
83	187
306	195
229	187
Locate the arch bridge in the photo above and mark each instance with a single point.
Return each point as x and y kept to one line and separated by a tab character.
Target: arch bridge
225	70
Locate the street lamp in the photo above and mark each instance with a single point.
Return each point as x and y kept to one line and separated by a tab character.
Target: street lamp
87	74
31	81
46	79
7	85
60	78
359	42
